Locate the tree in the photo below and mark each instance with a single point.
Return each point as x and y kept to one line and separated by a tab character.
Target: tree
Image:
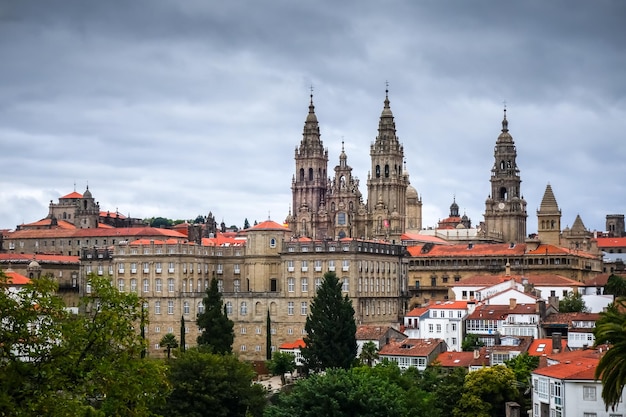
169	342
486	391
340	392
523	366
183	334
330	328
246	224
199	219
160	222
216	328
615	285
282	363
57	363
611	328
206	383
471	342
268	337
369	353
573	303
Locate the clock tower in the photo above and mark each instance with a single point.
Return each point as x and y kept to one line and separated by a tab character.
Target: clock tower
505	208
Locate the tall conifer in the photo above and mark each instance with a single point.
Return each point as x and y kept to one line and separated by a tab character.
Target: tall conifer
216	329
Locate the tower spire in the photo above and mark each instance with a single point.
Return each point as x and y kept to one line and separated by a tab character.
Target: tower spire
505	123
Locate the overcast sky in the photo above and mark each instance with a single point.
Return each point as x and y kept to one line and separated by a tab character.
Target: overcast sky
177	108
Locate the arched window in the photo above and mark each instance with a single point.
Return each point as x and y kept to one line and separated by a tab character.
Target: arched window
200	308
186	307
229	307
501	164
301	174
377	171
310	174
386	170
243	310
503	193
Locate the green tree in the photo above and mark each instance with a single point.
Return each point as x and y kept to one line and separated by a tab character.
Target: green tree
615	285
340	392
486	391
369	353
246	224
447	392
471	342
57	363
573	303
216	329
330	328
268	337
199	219
523	366
169	342
281	363
160	222
212	384
183	334
611	328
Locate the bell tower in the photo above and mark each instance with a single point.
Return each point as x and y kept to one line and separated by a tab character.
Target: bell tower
386	183
310	182
505	211
549	219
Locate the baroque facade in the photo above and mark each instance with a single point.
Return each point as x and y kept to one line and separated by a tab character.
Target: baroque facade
334	208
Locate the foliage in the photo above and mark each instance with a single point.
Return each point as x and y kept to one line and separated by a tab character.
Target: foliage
268	337
523	366
447	392
611	328
199	219
216	328
341	392
246	224
169	342
471	342
369	353
486	391
160	222
330	328
615	285
211	384
57	363
573	303
281	363
183	334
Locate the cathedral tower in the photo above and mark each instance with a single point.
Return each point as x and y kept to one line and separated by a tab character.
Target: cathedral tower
549	219
386	183
505	211
309	184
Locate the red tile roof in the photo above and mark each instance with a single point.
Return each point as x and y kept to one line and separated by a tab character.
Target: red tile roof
455	359
416	237
492	249
269	225
15	278
371	332
71	195
410	347
568	318
611	242
138	232
47	223
293	345
540	347
500	312
538	280
116	215
41	258
600	280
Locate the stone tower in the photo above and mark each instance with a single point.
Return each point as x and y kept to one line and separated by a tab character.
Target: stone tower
549	219
615	225
386	183
505	211
346	212
87	212
309	183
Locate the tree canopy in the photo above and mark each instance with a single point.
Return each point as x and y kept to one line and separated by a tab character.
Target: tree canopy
57	363
615	285
281	363
573	303
216	329
611	328
486	391
331	330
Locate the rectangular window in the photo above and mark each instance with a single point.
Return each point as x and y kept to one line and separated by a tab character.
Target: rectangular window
157	267
158	285
291	284
120	285
237	270
305	266
170	267
146	285
290	267
345	265
133	285
170	307
304	308
589	393
439	328
431	328
157	307
305	284
345	287
170	284
237	285
290	308
318	283
331	265
318	266
146	267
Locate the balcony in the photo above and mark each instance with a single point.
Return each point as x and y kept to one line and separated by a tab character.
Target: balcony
290	269
305	268
146	270
237	271
120	271
219	271
331	268
345	268
133	270
171	270
158	270
318	269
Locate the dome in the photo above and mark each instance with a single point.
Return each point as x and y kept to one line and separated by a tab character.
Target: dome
411	192
33	264
87	194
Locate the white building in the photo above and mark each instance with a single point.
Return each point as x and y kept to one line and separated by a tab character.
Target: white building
442	320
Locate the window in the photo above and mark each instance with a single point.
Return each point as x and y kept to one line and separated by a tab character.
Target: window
146	267
243	348
272	243
220	268
237	270
345	287
146	285
243	310
237	285
170	307
88	287
186	307
258	330
157	307
290	308
201	307
170	284
158	284
120	285
454	327
157	267
229	307
439	328
291	285
243	330
431	328
133	285
290	266
220	285
170	268
589	393
305	266
120	268
305	284
303	308
345	265
318	266
318	283
331	265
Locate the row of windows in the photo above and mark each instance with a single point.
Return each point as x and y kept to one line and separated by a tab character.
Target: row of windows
304	284
371	307
171	267
158	285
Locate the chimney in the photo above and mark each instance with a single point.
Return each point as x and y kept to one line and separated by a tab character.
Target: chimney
541	309
512	303
507	269
476	353
556	342
471	306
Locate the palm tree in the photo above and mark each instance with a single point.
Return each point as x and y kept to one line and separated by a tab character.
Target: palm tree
169	341
369	353
611	328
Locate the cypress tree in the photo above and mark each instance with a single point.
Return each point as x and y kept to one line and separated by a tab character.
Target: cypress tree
268	337
216	329
330	327
183	333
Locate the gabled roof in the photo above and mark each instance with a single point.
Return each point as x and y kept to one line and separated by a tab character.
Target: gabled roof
491	249
16	279
538	280
269	225
568	318
611	242
292	345
455	359
119	232
71	195
416	237
47	222
23	258
500	312
410	347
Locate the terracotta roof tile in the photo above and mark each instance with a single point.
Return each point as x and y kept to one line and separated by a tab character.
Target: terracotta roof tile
15	278
410	347
41	258
539	280
455	359
568	318
71	196
540	347
269	225
138	232
293	345
611	242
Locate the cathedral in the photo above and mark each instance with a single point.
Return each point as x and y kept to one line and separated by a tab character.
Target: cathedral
332	207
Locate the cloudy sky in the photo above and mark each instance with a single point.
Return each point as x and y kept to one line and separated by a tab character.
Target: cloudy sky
176	108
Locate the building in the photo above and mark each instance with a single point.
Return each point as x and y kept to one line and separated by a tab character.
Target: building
440	320
333	207
378	335
417	353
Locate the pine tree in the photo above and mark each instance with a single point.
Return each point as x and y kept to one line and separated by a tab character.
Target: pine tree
246	224
216	328
331	329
